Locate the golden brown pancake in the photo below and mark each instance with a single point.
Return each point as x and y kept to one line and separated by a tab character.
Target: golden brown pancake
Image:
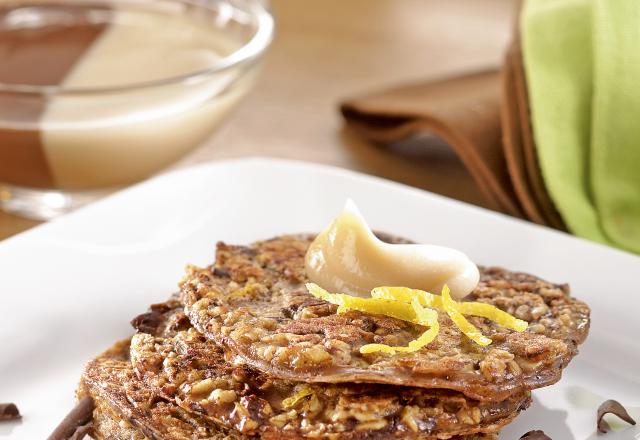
183	367
126	409
253	302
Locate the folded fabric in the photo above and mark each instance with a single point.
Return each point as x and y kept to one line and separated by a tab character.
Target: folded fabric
519	145
553	138
582	68
464	111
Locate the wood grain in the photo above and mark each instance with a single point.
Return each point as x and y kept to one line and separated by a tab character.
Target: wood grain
327	50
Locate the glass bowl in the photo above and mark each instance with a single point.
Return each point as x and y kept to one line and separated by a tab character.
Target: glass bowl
98	94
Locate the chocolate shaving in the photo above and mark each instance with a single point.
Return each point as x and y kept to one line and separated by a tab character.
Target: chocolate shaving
535	435
82	431
76	421
612	407
147	322
9	411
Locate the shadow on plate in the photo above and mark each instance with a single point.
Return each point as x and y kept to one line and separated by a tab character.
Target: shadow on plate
583	398
6	428
552	421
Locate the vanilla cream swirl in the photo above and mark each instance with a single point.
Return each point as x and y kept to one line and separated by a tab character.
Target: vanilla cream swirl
347	257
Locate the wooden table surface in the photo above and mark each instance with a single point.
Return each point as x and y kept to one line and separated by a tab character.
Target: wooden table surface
326	50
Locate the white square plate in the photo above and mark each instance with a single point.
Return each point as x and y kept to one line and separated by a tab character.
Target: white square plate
69	287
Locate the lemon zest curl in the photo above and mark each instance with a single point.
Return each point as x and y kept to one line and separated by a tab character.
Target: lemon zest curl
419	307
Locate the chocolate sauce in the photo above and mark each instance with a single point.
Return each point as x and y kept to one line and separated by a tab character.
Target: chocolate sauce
39	45
144	116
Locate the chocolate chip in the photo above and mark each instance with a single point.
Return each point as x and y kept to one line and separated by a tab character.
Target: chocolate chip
147	322
75	421
256	406
164	307
222	273
9	411
535	435
612	407
290	311
178	322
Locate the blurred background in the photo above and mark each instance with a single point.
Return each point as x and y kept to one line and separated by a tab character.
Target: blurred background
326	51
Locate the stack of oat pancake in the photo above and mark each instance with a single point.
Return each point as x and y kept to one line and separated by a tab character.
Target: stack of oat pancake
244	351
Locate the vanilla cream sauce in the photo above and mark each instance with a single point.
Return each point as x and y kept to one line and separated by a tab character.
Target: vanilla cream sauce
347	257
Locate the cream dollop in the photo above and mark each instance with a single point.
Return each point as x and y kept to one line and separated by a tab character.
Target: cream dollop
348	258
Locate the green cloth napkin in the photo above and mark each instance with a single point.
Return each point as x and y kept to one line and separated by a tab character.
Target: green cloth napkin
582	62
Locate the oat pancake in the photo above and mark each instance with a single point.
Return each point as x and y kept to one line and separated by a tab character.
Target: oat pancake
181	365
254	304
125	409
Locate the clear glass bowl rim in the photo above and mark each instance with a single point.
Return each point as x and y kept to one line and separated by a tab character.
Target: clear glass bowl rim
248	53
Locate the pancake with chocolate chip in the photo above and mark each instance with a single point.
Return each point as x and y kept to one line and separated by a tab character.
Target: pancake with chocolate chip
253	303
125	409
180	365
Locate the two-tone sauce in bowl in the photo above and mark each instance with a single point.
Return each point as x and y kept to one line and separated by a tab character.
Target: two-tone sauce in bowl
97	94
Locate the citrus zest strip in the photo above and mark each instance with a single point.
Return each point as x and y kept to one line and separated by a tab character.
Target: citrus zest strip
425	317
378	306
458	318
473	308
289	402
419	307
406	294
413	313
493	313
